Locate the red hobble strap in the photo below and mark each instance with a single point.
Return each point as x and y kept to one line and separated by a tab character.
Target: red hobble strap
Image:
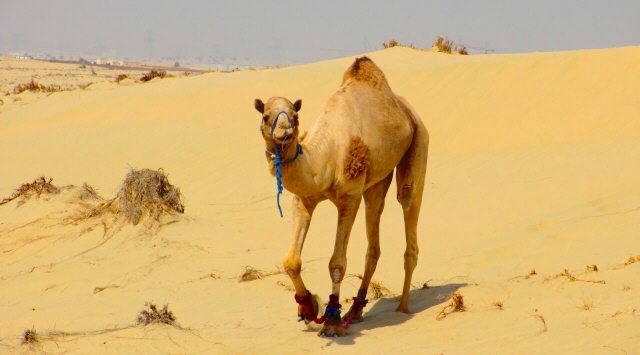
354	309
307	305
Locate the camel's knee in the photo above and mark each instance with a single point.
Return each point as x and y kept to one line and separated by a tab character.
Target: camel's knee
292	265
336	271
411	257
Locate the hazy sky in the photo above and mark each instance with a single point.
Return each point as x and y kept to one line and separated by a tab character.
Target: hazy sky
290	32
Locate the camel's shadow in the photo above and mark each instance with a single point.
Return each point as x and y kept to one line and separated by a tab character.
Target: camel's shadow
382	313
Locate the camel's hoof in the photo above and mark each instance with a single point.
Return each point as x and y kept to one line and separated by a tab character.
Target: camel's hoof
332	327
303	318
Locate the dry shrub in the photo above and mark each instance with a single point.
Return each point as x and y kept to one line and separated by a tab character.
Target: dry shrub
35	87
142	193
84	86
30	336
626	287
154	73
250	273
444	45
498	304
540	317
155	316
456	305
38	187
462	50
121	77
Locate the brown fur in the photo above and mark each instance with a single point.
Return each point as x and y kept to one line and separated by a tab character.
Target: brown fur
364	69
358	159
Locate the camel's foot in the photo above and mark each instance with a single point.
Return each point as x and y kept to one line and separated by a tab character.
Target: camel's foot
332	327
307	308
403	309
357	308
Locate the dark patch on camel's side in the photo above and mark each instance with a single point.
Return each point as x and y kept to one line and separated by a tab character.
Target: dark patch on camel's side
357	159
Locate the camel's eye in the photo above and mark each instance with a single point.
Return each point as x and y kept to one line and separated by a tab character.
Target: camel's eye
265	118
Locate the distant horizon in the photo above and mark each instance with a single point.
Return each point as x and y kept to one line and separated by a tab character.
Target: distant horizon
284	32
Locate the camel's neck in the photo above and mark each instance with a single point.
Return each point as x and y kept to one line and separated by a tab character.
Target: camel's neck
309	173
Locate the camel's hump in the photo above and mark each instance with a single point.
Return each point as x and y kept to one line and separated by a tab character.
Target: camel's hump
364	69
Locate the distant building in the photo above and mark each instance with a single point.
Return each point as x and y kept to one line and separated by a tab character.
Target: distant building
101	61
24	56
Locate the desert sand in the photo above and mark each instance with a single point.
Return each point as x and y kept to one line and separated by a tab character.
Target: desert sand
534	165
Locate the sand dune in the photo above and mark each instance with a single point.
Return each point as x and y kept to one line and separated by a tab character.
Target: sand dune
534	164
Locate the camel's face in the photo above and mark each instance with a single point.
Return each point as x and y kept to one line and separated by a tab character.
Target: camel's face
286	128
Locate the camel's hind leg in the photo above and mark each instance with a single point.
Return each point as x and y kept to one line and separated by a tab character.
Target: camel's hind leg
410	178
374	204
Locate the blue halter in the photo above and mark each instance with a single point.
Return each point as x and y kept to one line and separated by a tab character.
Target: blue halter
277	156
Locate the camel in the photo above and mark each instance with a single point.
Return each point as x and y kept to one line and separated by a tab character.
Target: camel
364	132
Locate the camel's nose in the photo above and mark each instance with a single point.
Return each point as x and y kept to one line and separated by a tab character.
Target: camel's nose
285	134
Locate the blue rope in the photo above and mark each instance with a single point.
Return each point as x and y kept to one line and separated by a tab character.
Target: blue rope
277	158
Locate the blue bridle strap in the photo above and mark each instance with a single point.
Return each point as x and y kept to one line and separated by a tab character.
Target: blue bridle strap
277	156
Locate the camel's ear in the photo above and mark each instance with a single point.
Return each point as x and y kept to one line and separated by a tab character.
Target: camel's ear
259	105
297	105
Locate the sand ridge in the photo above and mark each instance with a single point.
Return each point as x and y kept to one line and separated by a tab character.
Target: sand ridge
532	166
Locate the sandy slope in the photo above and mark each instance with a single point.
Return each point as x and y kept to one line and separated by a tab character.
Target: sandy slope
534	164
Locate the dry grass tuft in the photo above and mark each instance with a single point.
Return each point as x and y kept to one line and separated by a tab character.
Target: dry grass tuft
421	285
632	260
392	43
121	77
212	275
84	86
626	287
498	304
286	286
38	187
592	267
143	192
35	87
456	305
30	336
572	278
587	304
154	73
527	276
540	317
376	289
447	46
250	273
443	45
156	316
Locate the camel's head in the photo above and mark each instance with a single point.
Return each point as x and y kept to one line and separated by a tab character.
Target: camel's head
286	128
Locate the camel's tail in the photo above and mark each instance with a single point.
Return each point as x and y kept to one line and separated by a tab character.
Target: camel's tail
410	172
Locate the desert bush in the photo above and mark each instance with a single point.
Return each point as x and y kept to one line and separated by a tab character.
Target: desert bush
38	187
30	337
121	77
156	316
153	73
35	87
142	193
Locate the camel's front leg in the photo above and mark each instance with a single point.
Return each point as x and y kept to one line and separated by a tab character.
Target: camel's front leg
302	211
347	210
